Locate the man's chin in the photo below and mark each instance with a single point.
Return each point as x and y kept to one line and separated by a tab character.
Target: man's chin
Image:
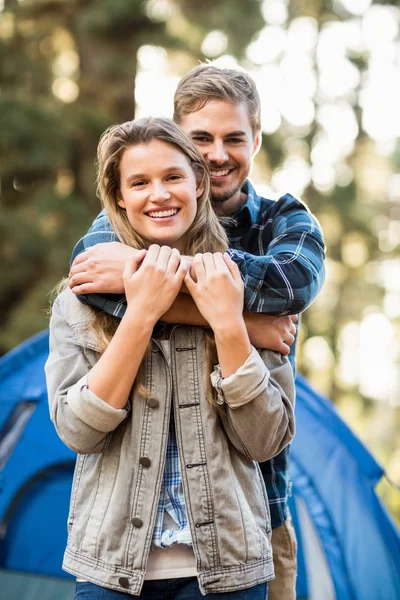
219	196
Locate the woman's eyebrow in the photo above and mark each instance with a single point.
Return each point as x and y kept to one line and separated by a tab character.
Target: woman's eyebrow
134	176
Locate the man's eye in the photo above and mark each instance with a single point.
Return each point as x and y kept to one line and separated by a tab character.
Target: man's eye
235	140
201	139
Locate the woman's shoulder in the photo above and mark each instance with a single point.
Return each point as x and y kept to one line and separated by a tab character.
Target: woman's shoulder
73	311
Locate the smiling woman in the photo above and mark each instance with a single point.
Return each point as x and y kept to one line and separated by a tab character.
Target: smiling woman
159	191
167	493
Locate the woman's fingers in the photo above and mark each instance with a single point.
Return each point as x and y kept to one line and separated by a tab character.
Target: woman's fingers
209	265
133	264
174	260
198	267
233	268
220	264
152	255
163	258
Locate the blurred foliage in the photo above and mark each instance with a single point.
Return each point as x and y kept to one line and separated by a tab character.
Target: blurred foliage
68	70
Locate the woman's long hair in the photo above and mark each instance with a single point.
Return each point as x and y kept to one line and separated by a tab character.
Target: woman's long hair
205	234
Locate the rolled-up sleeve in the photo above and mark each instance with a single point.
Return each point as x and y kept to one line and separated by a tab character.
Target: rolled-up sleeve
82	420
91	409
257	404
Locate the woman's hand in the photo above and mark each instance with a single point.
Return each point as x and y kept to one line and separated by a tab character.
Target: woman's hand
218	290
152	281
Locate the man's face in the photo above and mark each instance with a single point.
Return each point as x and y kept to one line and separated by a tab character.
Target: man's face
222	132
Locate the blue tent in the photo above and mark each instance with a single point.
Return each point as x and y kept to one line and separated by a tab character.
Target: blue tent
349	548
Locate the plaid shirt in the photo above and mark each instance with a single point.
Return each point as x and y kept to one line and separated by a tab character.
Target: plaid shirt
172	499
279	248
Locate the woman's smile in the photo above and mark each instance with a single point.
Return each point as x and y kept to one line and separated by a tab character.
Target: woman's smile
159	192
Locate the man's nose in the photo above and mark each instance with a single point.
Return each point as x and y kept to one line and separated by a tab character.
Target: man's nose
217	153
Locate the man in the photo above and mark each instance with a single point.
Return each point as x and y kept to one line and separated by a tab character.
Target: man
278	247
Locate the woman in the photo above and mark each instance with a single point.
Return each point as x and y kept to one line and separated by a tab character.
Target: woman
167	499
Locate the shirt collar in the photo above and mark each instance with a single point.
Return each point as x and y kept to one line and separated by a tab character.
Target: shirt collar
251	208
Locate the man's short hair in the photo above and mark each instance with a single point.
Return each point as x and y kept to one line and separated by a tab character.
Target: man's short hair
208	82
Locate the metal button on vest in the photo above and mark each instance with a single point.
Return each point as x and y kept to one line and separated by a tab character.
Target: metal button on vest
123	582
153	402
136	522
145	462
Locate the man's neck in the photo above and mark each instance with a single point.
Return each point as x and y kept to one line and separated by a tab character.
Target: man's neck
229	207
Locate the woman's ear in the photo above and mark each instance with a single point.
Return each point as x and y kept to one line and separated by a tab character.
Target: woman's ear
199	190
120	200
199	182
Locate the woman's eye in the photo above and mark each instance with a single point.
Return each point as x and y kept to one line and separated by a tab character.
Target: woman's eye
174	177
138	183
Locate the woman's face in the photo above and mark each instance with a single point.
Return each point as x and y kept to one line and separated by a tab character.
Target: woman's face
158	190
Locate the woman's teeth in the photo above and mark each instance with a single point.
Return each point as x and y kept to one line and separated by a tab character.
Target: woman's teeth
163	213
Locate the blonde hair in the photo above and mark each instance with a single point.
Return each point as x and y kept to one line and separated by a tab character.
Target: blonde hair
208	82
205	234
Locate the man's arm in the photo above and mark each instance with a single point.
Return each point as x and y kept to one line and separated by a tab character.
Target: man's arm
288	276
265	331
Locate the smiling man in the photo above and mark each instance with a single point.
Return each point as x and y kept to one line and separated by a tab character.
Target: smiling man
278	246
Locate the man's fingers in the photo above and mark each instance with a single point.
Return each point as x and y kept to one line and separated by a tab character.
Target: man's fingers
285	349
289	339
79	259
85	288
79	279
294	318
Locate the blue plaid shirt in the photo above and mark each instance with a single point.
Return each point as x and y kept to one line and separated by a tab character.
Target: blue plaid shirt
279	248
172	499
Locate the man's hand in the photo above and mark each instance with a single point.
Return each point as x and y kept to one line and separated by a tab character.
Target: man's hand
100	269
268	331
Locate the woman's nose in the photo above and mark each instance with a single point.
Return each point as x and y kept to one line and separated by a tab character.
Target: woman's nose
159	193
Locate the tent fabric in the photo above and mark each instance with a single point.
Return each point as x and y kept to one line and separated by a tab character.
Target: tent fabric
349	548
335	475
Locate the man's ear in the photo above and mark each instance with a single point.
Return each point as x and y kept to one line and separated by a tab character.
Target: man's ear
120	200
257	142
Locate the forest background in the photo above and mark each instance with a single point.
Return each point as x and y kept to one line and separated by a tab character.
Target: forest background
329	79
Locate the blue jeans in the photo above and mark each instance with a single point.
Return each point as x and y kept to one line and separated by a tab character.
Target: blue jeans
185	588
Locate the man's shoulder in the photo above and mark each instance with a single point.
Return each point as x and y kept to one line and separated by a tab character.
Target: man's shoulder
285	202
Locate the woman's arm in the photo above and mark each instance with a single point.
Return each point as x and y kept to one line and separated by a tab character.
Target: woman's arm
257	404
99	399
82	420
257	398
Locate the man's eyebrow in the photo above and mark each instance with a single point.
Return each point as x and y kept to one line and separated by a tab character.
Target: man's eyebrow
237	133
200	132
